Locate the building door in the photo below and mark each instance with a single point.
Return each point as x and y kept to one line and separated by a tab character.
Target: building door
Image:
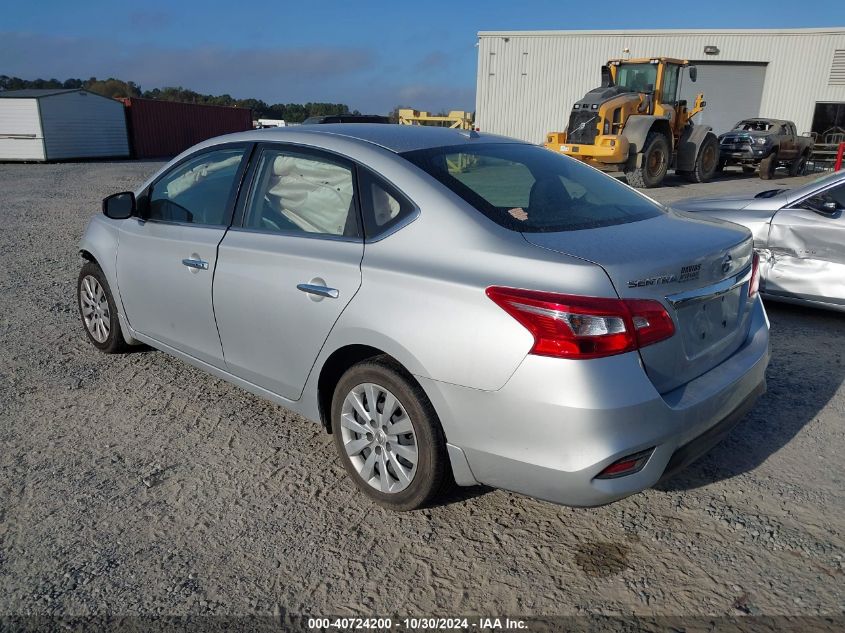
733	91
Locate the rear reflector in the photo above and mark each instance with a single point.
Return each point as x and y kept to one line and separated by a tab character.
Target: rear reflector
754	284
568	326
626	466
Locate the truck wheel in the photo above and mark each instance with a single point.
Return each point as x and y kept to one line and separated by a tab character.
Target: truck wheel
720	166
768	166
655	162
706	161
798	167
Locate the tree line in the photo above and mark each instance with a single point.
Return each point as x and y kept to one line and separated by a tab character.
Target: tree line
114	88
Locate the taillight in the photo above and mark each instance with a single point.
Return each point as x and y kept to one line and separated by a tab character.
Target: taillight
567	326
754	284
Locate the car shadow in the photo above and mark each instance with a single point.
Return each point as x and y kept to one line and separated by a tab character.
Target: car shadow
806	369
140	348
457	494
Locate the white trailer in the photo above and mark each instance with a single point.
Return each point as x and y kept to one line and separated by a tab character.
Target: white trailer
47	125
261	123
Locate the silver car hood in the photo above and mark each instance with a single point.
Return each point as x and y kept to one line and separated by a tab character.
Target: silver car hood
755	214
715	203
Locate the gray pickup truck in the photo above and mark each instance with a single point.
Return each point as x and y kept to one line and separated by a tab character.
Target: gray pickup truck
767	144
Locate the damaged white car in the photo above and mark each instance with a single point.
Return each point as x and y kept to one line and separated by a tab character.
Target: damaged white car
799	234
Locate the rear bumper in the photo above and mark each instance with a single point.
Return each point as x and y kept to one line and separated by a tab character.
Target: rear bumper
557	424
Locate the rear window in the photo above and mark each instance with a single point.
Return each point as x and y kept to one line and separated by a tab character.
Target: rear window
530	189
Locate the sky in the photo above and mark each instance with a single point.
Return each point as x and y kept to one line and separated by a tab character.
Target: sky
372	56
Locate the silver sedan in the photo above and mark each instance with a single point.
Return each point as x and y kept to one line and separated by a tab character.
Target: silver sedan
799	234
450	306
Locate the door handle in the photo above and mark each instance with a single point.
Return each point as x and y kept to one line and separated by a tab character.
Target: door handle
199	264
320	291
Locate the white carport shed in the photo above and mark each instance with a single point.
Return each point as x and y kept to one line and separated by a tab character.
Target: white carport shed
47	125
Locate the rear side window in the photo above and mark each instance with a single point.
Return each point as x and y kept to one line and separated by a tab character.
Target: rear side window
530	189
384	207
302	193
198	191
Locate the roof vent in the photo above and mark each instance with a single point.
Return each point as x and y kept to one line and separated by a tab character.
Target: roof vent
837	69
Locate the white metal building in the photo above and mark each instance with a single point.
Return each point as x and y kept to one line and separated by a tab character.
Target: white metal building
39	125
529	80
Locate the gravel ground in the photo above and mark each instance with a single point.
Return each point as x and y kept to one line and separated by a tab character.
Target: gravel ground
136	484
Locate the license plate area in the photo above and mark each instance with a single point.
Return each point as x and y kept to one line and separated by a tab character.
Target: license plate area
706	324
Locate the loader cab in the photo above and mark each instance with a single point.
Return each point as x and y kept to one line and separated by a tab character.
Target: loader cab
658	79
636	77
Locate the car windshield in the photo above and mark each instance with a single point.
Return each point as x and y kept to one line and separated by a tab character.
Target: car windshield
637	77
530	189
753	126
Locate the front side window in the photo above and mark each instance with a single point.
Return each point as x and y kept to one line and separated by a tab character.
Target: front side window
829	201
198	191
302	193
530	189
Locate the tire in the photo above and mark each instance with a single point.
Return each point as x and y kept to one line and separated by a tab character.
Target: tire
373	451
655	163
798	167
720	166
706	161
97	310
748	169
768	166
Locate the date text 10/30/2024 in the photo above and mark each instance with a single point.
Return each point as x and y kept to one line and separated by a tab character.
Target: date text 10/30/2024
416	624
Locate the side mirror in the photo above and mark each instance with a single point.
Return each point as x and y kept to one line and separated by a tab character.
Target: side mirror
119	206
693	73
826	208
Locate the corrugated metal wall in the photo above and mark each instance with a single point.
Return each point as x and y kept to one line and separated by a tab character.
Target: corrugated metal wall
166	128
83	125
20	130
528	81
733	92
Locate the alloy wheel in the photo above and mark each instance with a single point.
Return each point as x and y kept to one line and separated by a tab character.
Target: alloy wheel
379	438
95	308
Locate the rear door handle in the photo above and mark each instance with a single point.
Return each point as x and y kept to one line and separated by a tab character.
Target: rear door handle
320	291
199	264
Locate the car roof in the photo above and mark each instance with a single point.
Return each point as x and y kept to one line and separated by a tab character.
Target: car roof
393	137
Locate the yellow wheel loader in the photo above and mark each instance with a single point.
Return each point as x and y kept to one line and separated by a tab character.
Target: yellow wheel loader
636	123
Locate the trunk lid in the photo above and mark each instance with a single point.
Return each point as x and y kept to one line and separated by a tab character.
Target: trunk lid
698	268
